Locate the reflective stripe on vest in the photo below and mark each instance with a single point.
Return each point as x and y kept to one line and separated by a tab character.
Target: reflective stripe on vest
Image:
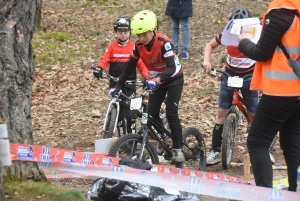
291	50
278	75
275	76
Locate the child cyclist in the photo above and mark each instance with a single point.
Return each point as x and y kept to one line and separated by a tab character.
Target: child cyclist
116	56
157	52
236	64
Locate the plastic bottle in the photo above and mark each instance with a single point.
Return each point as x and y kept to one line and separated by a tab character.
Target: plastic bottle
298	180
144	118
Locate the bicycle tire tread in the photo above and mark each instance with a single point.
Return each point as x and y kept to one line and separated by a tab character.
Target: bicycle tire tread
230	119
134	137
191	130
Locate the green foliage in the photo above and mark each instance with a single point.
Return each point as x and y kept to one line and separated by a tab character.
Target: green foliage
30	190
105	2
206	91
209	89
54	48
110	11
34	43
223	59
58	36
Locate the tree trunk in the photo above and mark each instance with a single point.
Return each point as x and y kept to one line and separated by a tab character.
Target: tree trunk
38	16
1	189
17	20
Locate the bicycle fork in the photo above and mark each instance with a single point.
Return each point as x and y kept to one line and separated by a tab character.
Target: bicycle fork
145	134
107	114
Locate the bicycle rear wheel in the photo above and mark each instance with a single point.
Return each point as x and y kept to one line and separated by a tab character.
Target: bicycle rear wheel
129	146
110	123
228	140
194	149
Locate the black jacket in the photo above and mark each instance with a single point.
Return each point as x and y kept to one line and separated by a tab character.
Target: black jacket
179	8
280	21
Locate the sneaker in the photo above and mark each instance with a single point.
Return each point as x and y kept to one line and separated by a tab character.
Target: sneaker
185	55
213	157
178	156
272	158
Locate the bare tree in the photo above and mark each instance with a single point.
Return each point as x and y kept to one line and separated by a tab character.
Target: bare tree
17	20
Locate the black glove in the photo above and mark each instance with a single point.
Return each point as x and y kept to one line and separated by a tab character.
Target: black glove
98	72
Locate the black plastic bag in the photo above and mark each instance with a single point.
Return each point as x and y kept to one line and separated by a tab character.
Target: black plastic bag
104	189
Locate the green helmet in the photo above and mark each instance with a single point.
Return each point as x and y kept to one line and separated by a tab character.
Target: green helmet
143	21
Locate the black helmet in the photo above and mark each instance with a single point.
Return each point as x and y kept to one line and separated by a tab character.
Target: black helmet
122	22
240	13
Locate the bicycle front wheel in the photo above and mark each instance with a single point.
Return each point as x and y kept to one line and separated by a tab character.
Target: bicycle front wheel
194	149
229	134
130	146
110	123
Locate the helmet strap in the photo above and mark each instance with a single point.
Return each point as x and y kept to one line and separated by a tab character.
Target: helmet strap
123	42
150	44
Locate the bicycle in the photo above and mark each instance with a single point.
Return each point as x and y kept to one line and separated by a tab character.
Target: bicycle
138	146
232	117
113	109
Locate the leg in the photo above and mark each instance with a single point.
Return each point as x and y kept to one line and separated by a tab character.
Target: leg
121	122
250	97
175	33
154	103
185	34
271	114
225	99
174	95
130	114
290	144
218	128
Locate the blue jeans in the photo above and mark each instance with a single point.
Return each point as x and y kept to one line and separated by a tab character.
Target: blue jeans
184	22
225	95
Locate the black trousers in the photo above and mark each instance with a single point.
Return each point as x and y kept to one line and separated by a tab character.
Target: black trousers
273	114
173	98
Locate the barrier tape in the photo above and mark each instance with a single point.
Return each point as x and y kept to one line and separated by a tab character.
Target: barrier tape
212	184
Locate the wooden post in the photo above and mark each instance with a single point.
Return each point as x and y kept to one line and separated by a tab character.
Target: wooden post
247	167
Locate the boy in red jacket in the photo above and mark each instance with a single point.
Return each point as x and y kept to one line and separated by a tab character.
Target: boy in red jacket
116	56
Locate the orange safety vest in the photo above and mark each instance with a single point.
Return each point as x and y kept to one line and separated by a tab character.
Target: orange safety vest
275	76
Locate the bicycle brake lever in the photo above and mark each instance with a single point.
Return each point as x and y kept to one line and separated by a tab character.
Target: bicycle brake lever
213	73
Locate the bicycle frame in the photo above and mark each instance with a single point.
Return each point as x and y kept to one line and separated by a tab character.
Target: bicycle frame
111	103
149	123
238	101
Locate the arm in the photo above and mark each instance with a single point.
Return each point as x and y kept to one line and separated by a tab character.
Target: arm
105	60
280	21
128	69
143	69
207	52
168	55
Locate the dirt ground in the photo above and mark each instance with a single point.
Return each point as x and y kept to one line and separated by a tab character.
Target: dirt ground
66	98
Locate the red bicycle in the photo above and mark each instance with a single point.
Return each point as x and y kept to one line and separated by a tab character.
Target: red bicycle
231	122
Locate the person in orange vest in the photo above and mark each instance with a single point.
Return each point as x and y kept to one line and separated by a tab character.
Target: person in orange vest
279	106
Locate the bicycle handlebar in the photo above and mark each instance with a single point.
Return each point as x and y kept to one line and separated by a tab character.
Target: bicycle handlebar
115	79
227	74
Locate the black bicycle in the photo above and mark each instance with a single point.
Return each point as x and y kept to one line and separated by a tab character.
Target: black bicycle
113	108
139	146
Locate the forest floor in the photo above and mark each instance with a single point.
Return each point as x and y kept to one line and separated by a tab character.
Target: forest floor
66	96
